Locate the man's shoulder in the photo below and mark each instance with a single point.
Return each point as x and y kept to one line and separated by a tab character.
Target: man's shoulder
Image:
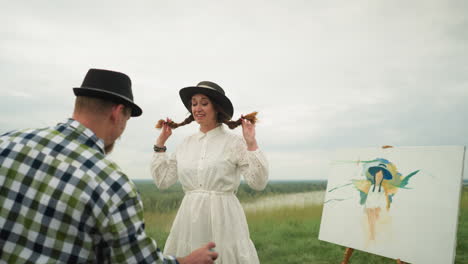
112	182
102	177
20	133
21	136
61	144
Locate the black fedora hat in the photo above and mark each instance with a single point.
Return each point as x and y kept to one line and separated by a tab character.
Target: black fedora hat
109	85
212	90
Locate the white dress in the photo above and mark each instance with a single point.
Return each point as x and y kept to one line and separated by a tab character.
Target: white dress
209	167
376	199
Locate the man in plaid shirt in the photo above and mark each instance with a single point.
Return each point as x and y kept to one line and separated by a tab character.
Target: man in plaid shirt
63	201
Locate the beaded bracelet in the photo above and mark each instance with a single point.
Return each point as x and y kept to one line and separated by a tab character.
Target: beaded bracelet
159	149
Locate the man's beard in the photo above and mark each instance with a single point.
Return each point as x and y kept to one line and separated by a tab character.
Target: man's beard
108	149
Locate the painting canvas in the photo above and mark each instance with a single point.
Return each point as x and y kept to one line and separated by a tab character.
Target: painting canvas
400	203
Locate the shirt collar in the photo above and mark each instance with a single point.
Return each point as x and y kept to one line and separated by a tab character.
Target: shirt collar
87	136
212	133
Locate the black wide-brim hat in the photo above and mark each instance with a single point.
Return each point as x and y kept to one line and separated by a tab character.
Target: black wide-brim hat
110	86
210	89
387	175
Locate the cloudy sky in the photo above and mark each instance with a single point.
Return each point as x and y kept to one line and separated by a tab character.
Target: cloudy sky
324	75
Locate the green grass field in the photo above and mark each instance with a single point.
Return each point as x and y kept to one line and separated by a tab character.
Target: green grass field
284	235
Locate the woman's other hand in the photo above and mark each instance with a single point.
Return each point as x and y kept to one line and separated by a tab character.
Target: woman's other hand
248	131
166	132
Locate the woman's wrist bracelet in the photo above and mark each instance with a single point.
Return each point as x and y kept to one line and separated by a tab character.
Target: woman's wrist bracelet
159	149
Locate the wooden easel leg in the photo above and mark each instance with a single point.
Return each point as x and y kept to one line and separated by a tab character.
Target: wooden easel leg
347	255
398	261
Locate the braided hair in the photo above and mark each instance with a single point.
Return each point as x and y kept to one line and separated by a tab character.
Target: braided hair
222	117
252	117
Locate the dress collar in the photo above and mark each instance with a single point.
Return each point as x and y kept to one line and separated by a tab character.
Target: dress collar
212	133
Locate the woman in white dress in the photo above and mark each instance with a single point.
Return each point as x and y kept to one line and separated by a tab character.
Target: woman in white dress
377	196
209	165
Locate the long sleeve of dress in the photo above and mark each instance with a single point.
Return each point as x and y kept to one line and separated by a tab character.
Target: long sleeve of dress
253	165
164	169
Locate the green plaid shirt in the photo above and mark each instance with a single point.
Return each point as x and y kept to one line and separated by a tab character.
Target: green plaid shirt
63	201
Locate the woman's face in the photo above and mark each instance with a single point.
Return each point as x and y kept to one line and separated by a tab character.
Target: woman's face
379	177
203	110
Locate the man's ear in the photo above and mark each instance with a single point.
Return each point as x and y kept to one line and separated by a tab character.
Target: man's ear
116	112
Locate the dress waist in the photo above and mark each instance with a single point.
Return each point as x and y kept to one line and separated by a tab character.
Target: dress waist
210	192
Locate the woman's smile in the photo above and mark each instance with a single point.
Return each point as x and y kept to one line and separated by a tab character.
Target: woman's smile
199	115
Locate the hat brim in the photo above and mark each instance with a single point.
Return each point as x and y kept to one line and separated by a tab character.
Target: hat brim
109	96
220	99
386	174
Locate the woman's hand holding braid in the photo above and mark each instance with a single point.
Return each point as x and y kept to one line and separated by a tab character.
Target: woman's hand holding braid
248	131
166	132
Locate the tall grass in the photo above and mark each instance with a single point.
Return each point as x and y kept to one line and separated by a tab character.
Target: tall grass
462	234
290	235
287	234
155	200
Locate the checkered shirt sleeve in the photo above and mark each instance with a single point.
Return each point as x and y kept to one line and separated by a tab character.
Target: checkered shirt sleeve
63	201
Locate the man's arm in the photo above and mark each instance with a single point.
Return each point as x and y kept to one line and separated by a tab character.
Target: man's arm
128	240
126	236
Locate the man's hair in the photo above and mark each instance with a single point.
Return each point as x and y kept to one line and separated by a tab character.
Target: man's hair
94	105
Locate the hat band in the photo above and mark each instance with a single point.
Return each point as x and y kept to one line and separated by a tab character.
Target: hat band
206	86
109	92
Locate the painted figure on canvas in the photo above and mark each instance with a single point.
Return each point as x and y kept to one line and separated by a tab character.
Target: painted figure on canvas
377	190
381	183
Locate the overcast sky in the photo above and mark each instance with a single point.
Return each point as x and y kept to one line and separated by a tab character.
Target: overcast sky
323	75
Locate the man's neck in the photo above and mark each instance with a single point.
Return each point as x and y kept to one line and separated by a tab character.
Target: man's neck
97	125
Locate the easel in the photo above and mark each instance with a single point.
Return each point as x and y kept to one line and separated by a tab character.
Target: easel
349	251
